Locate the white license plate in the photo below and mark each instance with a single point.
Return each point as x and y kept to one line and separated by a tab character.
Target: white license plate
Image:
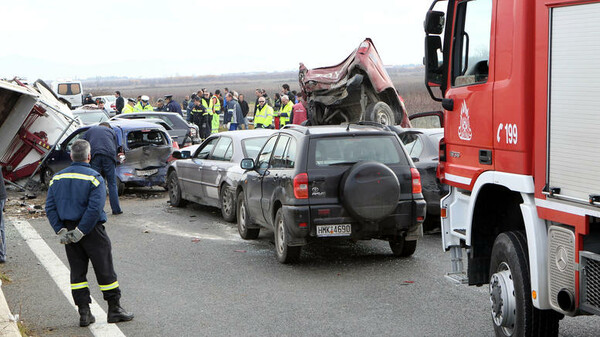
145	173
334	230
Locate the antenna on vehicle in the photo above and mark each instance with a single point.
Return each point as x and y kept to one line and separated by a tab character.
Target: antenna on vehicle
348	127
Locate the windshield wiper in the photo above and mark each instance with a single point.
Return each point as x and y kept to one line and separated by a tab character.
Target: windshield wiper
344	163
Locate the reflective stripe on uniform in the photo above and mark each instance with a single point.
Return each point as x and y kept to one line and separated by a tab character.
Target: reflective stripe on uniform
75	286
79	176
109	286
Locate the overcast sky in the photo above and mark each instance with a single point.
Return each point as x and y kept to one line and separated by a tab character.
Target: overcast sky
80	39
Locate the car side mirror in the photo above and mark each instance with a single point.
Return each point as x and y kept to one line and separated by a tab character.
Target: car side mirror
186	154
177	154
415	159
247	164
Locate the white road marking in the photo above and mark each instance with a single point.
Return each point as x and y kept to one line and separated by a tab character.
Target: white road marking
61	276
168	229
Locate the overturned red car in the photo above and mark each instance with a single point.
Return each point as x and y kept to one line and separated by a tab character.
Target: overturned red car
358	89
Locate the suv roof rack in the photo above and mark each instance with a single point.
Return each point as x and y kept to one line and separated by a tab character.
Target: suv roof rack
369	123
295	127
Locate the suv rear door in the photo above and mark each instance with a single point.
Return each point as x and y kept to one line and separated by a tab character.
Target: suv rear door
330	157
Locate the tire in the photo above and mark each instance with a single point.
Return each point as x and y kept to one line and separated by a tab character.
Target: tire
402	248
243	220
370	191
381	113
175	190
513	313
120	187
227	204
285	253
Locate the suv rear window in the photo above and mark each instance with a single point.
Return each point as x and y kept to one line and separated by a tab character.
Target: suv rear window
349	150
145	137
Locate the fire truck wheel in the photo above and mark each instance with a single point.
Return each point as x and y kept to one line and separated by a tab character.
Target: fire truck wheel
513	313
381	113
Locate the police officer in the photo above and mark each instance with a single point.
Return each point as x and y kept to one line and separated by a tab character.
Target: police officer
129	106
143	104
172	105
74	207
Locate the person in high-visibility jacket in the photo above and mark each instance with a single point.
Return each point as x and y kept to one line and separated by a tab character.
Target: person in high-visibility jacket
128	108
215	109
286	111
206	129
143	105
263	119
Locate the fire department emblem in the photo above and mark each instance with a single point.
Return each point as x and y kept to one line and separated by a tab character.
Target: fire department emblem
464	129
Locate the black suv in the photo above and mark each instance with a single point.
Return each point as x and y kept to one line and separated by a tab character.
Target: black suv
353	181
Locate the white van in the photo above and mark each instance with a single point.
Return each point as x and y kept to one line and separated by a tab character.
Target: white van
71	91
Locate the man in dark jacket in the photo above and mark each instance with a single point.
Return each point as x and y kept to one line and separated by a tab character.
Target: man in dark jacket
120	104
234	110
75	210
172	105
103	141
2	230
245	110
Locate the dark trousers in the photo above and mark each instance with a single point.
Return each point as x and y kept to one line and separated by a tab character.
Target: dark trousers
94	247
106	166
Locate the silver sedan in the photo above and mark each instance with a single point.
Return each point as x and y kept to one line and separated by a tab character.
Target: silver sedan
208	173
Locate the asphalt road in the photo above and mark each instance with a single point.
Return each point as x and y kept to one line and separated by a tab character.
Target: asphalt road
186	272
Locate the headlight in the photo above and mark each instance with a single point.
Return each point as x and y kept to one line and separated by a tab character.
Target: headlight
193	132
121	157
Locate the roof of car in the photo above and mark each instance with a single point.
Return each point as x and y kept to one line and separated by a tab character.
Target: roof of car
338	129
154	113
240	134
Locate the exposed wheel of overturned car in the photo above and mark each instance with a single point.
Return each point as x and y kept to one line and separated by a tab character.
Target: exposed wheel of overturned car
46	175
370	190
381	113
175	191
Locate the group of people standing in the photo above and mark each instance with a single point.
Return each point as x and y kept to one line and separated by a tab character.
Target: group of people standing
288	108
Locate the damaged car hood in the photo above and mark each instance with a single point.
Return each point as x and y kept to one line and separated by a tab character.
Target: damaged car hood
148	156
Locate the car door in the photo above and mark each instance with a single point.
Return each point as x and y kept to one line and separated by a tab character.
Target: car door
254	179
190	170
60	158
214	169
274	177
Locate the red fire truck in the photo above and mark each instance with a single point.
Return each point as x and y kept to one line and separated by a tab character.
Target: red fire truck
519	82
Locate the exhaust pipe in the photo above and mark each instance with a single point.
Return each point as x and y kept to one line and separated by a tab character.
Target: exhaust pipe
566	300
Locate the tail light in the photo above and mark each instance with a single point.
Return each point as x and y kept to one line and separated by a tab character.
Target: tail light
121	157
301	186
442	151
416	181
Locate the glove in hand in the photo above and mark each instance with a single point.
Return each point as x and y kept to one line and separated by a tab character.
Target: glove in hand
62	236
72	236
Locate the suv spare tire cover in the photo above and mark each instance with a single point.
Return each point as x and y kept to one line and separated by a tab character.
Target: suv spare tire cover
370	190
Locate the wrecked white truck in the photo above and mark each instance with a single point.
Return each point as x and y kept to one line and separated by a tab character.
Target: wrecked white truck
358	89
32	120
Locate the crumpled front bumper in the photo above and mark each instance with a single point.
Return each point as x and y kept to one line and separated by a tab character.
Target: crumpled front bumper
131	176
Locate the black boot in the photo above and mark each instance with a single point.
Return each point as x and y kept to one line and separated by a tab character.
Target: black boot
85	315
116	313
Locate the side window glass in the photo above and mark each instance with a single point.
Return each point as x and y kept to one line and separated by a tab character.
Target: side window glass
229	152
221	148
206	149
76	137
290	154
277	161
471	51
265	154
416	147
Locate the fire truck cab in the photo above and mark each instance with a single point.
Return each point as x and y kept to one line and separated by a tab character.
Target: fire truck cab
518	82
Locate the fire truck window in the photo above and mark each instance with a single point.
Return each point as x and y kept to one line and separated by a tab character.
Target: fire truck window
472	42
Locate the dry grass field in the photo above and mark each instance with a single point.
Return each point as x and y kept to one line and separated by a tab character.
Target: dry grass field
408	82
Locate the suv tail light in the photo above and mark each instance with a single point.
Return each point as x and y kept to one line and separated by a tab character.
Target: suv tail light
301	186
416	181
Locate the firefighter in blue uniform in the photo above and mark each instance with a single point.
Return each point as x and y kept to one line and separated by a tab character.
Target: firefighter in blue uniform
75	209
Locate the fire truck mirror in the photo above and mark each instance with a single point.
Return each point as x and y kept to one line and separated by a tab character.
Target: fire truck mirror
433	67
434	22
